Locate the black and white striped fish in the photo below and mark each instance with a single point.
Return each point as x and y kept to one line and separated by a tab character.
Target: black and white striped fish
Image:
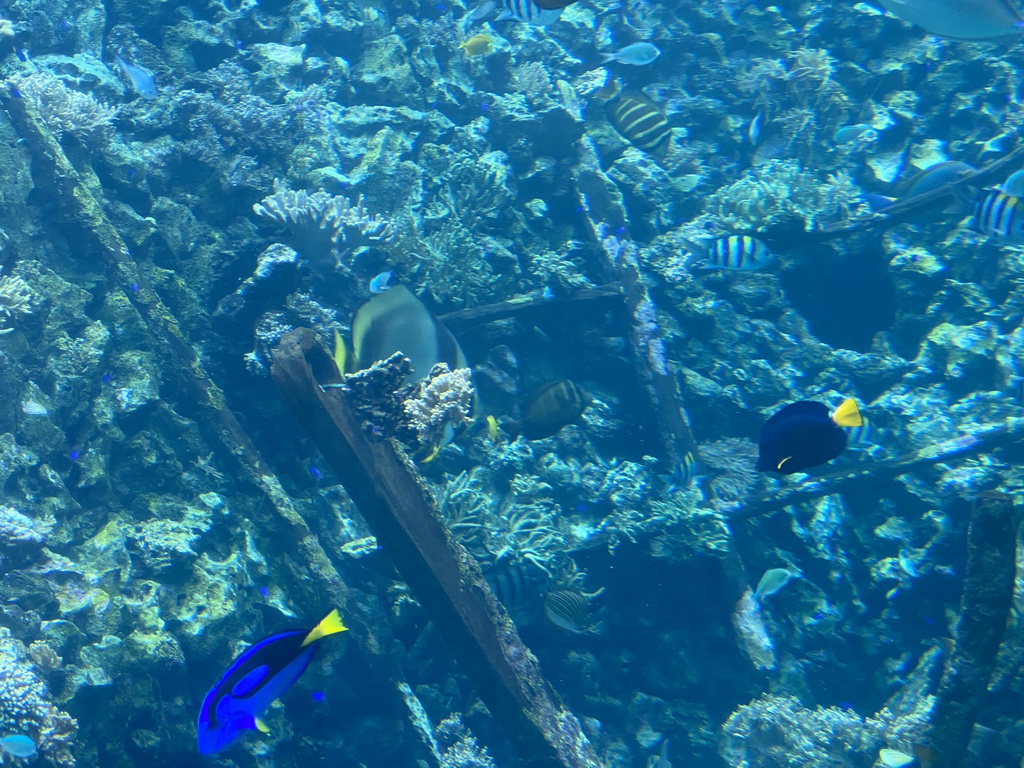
999	215
738	252
538	12
640	121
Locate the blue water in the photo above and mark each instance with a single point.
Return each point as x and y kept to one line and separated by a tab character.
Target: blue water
551	222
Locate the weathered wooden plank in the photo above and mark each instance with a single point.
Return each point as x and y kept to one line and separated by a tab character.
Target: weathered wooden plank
447	581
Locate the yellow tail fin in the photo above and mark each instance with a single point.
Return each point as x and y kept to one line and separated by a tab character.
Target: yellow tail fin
331	625
848	414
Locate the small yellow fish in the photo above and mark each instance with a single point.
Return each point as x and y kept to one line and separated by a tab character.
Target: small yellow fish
477	45
492	429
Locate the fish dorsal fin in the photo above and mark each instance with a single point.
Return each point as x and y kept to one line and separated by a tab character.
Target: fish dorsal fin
331	625
848	414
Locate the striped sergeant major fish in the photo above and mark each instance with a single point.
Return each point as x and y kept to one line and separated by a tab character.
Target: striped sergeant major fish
999	215
639	121
539	12
738	252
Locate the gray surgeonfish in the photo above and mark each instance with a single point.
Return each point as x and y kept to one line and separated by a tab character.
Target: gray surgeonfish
959	19
397	321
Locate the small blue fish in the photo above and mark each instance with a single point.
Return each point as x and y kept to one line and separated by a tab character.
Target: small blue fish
379	284
804	434
850	133
18	746
637	54
141	79
254	680
738	252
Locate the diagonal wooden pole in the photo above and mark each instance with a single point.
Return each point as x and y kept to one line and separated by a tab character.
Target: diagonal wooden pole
441	574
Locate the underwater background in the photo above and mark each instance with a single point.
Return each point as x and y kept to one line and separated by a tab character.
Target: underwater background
645	226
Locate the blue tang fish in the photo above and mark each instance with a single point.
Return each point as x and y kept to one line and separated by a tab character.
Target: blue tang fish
804	434
254	680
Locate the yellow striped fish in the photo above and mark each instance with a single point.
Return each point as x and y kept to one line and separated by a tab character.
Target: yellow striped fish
738	252
640	121
999	215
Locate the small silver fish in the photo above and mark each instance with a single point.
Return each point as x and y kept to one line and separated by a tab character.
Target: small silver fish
849	133
754	129
772	581
32	408
637	54
141	79
379	284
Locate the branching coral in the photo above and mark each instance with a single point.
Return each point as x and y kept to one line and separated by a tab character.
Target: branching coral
26	709
442	401
63	109
780	192
776	731
15	300
323	221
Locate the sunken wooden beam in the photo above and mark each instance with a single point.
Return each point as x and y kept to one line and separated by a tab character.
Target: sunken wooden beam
984	609
531	307
900	211
445	579
606	220
985	439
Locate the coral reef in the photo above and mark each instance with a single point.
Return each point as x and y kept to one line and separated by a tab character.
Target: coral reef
442	401
27	709
65	110
15	301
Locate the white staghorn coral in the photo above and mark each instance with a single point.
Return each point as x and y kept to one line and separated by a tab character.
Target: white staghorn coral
15	300
444	399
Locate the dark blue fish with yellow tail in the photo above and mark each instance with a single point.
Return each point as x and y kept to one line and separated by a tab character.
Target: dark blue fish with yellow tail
804	434
261	674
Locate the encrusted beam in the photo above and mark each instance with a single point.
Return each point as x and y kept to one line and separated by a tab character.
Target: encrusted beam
984	609
443	576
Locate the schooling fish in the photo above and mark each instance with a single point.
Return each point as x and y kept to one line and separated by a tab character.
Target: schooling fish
254	680
639	120
552	406
999	215
959	19
539	12
637	54
738	252
141	79
803	435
